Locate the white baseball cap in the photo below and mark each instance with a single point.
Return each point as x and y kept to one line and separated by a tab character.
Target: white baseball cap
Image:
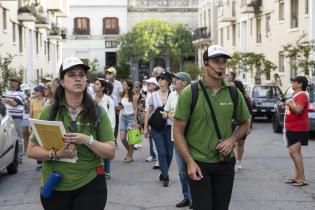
214	51
71	62
152	80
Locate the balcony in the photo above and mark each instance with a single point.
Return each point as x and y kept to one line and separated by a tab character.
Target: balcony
25	13
59	7
42	21
254	7
227	19
54	33
201	36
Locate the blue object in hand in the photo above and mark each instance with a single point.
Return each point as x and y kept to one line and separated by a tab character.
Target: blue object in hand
50	184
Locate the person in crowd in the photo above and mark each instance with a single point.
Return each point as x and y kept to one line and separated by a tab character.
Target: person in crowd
239	145
156	71
25	131
209	158
126	120
49	94
161	138
46	80
182	79
230	77
101	88
14	99
89	138
90	88
110	75
144	84
297	128
152	86
277	80
36	106
139	108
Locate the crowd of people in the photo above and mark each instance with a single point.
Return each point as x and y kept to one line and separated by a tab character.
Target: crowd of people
174	115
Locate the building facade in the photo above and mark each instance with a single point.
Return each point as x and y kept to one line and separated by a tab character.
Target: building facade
29	30
93	29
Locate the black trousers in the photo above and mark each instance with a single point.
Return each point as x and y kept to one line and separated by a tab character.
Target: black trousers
92	196
214	191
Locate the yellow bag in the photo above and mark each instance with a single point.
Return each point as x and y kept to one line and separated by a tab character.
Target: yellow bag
134	136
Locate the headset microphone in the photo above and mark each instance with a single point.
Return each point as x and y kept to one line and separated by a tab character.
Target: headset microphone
218	73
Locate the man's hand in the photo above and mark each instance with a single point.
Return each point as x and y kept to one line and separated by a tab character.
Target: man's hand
194	171
225	147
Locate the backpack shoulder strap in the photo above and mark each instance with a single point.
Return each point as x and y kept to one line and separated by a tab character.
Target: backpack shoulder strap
234	96
194	99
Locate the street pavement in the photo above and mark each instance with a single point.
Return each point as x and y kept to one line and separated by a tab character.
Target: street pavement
135	186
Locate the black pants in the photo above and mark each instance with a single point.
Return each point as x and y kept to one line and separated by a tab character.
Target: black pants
214	191
92	196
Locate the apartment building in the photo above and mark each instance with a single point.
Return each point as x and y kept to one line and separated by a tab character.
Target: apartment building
93	29
29	30
263	26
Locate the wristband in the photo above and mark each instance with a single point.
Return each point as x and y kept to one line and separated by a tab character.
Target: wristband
91	140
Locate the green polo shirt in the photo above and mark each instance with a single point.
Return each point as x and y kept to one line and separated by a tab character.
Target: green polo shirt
201	136
76	175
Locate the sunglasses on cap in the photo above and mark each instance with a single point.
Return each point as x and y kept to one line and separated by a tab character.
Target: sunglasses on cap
159	77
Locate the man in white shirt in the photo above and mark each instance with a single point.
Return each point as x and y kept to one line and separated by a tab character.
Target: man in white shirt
117	91
182	79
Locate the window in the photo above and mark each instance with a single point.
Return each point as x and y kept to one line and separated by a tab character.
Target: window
233	35
111	44
204	18
233	9
4	18
281	10
81	26
37	42
258	30
13	32
220	8
306	7
221	36
281	62
110	25
268	28
294	13
20	39
40	40
228	33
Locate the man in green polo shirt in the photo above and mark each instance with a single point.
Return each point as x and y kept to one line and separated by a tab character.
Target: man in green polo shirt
211	176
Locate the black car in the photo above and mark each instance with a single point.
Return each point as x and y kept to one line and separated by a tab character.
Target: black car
278	117
264	97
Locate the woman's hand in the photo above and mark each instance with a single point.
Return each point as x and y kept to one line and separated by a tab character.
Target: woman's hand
146	133
76	138
67	151
164	114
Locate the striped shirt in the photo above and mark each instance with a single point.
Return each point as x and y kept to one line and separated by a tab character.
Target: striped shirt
19	96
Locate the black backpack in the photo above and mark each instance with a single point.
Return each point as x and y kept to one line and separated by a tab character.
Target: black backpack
194	98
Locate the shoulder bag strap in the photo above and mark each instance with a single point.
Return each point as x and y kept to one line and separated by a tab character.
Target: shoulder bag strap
215	123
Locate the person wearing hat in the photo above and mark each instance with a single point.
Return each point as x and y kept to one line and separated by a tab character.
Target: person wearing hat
182	79
38	102
88	139
152	85
110	75
161	137
46	79
14	99
296	124
210	161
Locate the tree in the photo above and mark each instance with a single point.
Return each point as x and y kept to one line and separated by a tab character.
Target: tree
94	67
301	51
153	37
6	71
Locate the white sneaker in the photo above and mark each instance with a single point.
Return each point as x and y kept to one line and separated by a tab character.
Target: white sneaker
239	167
149	159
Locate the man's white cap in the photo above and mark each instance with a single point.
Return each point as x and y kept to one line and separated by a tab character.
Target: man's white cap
214	51
70	62
152	80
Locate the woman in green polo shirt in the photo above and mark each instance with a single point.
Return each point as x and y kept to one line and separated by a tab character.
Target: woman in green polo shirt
89	139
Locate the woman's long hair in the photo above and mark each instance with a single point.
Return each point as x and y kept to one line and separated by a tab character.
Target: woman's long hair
108	87
130	90
88	106
240	86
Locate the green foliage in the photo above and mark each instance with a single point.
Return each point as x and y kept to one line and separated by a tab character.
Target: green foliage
153	37
25	9
6	71
251	62
92	74
192	69
301	51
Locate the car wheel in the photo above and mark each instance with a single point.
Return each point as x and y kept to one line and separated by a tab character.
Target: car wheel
13	167
277	128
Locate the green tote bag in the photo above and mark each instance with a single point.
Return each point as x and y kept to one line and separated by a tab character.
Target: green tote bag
134	136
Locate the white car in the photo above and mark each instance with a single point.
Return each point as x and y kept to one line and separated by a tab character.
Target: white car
8	141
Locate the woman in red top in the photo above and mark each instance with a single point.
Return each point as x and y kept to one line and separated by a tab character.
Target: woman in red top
297	127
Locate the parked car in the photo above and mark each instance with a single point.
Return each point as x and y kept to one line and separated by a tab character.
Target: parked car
263	98
8	141
278	118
